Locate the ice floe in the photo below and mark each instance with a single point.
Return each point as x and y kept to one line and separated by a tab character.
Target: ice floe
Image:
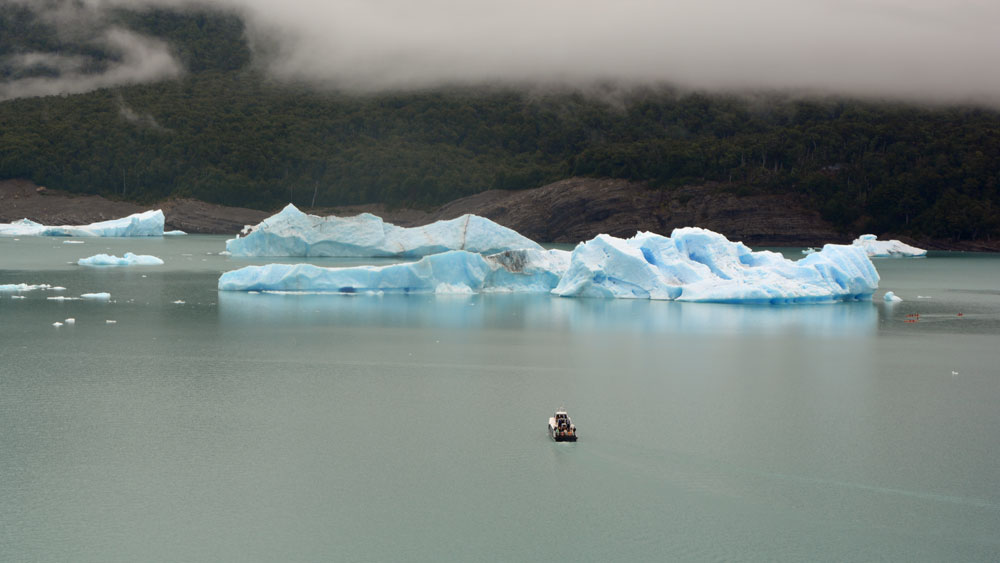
887	248
174	233
145	224
100	296
294	233
692	264
18	287
128	259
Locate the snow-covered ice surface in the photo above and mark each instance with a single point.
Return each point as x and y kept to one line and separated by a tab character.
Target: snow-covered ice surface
692	265
294	233
145	224
129	259
887	248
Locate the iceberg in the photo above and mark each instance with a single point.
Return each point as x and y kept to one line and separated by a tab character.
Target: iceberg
891	297
691	265
128	259
887	248
455	271
145	224
100	296
294	233
695	264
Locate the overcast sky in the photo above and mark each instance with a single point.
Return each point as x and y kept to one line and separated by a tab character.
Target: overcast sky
938	50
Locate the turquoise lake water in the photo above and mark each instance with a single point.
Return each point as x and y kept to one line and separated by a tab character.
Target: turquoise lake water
244	427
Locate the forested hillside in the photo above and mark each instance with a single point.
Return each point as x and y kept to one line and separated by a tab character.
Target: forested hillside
226	134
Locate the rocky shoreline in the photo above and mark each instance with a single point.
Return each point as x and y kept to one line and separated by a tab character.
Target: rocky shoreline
568	211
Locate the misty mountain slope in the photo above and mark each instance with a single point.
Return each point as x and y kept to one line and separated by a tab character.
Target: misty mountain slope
219	126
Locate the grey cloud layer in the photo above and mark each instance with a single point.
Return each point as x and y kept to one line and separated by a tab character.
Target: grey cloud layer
916	49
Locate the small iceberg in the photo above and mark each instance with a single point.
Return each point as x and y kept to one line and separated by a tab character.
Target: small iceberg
174	233
891	297
294	233
101	296
128	259
691	265
887	248
19	287
145	224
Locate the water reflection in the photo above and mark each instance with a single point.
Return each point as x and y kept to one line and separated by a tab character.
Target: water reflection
545	312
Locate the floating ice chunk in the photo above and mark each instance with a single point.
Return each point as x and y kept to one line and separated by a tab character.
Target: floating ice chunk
294	233
101	296
145	224
128	260
58	288
696	264
457	271
71	321
174	233
57	324
891	297
887	248
17	297
178	302
10	287
810	250
63	298
110	321
693	265
72	242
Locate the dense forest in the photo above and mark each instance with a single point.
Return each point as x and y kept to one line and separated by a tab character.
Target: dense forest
225	133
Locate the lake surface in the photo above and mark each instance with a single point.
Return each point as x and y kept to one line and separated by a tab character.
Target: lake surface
248	427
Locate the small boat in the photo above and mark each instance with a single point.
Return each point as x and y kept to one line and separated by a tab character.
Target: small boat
561	428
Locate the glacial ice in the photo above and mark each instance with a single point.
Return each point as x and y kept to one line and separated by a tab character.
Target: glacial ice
887	248
696	264
455	271
692	265
100	296
145	224
891	297
294	233
128	259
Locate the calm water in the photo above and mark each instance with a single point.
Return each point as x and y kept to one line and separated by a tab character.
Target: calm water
237	427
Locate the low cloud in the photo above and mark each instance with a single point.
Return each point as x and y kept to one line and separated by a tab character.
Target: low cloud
142	60
908	49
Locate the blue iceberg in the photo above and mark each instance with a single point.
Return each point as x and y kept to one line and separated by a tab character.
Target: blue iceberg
128	259
294	233
692	265
887	248
696	264
145	224
455	271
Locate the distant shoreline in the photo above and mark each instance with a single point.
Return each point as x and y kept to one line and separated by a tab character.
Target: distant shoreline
568	211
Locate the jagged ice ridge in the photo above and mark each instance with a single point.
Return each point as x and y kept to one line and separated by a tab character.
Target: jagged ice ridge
294	233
